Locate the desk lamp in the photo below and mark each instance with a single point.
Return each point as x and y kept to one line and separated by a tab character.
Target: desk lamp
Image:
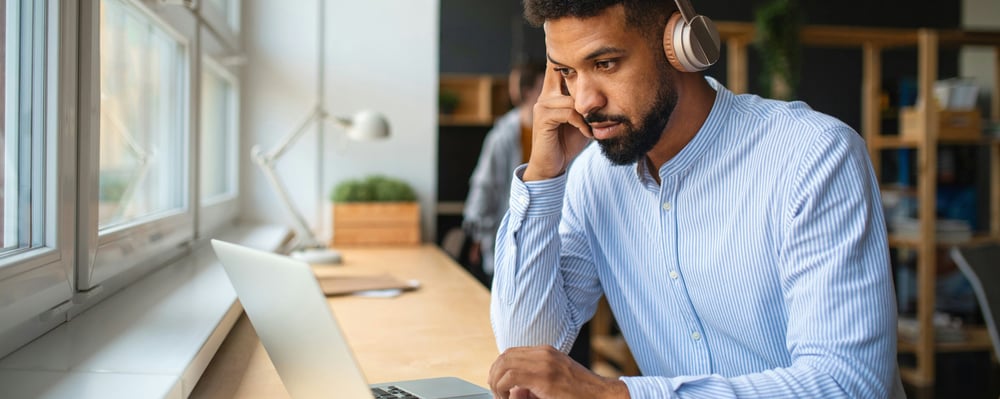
364	125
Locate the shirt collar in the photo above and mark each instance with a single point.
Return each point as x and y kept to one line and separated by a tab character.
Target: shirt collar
699	143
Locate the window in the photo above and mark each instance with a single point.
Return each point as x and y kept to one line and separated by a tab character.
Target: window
98	96
16	148
135	210
218	124
142	150
36	213
8	206
218	132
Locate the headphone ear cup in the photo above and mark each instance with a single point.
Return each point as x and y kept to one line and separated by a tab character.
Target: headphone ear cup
672	45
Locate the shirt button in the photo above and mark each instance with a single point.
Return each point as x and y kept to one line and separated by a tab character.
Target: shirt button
666	206
695	336
674	275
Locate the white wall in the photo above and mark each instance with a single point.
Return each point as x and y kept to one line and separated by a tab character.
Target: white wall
381	54
978	63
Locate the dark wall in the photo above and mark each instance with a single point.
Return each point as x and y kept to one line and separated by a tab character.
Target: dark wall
484	37
481	36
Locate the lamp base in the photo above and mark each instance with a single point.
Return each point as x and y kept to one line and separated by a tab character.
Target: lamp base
317	255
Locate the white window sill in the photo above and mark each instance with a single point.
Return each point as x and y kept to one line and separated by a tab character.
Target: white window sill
153	339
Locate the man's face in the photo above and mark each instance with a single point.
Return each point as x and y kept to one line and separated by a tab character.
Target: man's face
619	81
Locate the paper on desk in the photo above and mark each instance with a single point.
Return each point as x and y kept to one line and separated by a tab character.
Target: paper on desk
380	293
381	284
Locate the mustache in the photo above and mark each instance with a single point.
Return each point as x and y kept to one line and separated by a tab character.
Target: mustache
598	117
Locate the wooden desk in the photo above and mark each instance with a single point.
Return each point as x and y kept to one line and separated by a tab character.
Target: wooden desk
442	329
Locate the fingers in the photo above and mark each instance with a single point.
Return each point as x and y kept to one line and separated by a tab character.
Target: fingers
501	378
544	372
558	111
557	96
519	371
553	84
559	132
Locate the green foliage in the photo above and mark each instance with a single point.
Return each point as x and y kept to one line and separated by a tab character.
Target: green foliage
447	102
374	188
777	24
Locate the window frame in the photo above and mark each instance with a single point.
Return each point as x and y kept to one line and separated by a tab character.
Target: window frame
215	212
70	269
122	253
37	281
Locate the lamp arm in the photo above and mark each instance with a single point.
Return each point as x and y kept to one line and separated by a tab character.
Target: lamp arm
342	122
302	230
293	136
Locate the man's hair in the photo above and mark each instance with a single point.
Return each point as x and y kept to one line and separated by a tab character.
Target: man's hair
648	16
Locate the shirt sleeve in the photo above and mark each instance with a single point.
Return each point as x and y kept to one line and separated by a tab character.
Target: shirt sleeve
545	286
834	270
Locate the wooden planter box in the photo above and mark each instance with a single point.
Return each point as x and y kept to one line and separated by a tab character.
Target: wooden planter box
376	223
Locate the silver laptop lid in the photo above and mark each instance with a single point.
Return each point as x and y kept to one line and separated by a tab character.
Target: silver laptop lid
294	322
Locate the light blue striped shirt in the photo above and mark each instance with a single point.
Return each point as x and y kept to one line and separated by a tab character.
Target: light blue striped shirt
758	268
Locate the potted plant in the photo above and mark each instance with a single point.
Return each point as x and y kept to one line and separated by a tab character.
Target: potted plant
777	25
375	210
447	102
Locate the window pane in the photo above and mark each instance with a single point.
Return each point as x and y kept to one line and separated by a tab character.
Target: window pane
9	58
218	134
8	38
142	119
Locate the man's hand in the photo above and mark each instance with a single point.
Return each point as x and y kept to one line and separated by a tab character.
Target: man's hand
545	373
559	133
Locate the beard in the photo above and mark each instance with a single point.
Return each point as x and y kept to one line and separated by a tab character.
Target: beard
637	140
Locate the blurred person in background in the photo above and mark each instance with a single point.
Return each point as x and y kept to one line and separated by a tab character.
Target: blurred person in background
506	146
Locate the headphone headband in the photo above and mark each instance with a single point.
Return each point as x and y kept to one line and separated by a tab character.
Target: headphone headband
691	41
686	10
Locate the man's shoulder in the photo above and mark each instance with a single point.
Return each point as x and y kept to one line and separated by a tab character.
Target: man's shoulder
789	117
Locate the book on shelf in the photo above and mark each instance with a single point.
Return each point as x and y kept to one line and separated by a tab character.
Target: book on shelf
947	231
946	328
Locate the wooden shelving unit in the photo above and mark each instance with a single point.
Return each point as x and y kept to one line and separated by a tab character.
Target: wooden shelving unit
482	98
930	136
872	42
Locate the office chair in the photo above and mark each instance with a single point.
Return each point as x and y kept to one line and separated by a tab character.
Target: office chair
981	266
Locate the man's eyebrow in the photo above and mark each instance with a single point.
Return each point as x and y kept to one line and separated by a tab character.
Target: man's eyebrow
552	60
594	54
604	51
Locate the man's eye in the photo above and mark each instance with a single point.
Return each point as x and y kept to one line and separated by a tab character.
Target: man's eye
605	65
563	71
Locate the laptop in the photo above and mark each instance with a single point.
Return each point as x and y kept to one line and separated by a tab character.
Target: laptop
286	307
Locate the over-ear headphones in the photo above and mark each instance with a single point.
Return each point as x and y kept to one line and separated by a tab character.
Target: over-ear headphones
690	41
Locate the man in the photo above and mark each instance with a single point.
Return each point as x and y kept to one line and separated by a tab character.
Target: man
739	241
506	146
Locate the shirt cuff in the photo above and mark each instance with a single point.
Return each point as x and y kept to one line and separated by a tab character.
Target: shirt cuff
536	198
648	387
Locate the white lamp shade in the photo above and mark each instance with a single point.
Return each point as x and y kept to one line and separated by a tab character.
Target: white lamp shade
367	125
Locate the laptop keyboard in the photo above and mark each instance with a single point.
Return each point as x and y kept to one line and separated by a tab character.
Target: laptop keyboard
392	392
